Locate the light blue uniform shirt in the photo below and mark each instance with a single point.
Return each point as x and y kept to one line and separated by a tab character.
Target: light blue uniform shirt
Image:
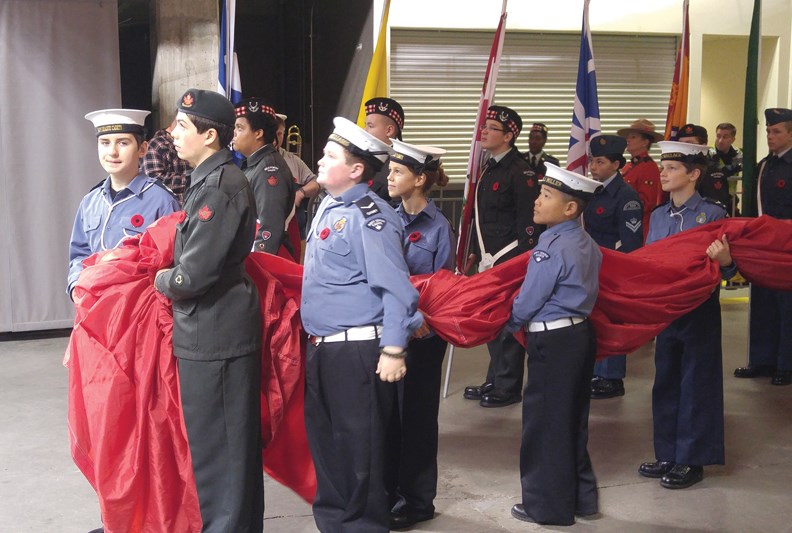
562	279
666	220
102	222
355	274
428	240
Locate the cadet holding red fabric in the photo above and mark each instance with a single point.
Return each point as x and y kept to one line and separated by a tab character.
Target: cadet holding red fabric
553	305
217	319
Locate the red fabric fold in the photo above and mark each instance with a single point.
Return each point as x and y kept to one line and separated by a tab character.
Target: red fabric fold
125	422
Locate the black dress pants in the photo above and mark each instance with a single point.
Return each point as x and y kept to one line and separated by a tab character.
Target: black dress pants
221	401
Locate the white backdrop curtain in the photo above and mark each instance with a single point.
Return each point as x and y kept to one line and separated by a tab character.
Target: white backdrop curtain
58	61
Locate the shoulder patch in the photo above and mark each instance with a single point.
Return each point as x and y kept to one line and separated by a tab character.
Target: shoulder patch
376	224
632	205
272	180
540	256
368	207
634	224
271	168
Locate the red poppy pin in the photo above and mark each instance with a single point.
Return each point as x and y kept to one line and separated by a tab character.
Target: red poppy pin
272	180
265	235
529	230
495	186
324	233
780	184
718	185
600	210
415	236
181	217
136	220
205	213
370	183
530	182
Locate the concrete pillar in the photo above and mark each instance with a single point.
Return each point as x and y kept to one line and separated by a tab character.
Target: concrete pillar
185	36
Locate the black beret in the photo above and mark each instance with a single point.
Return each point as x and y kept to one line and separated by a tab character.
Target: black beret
387	107
774	115
607	145
508	117
254	106
209	105
693	130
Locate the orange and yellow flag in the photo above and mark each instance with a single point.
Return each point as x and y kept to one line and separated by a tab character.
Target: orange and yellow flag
678	101
377	79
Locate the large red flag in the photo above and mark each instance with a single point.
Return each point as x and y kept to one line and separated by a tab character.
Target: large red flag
678	101
476	152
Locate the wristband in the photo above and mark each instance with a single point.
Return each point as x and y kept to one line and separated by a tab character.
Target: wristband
400	355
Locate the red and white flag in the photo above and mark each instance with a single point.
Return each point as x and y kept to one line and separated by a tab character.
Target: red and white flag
476	152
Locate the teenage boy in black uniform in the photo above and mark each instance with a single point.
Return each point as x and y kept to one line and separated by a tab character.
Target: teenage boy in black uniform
270	178
385	121
217	319
504	228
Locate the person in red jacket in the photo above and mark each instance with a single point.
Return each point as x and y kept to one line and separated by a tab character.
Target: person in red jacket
641	172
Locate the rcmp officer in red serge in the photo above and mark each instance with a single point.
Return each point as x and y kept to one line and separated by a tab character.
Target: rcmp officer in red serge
553	305
614	219
217	319
359	309
385	121
504	228
270	178
770	350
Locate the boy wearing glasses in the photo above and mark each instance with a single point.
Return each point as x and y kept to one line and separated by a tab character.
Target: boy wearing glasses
504	228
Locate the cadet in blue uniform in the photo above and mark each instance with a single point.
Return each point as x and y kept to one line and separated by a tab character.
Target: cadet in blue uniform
385	121
217	319
770	348
554	304
359	309
504	228
687	397
613	219
270	178
428	247
127	201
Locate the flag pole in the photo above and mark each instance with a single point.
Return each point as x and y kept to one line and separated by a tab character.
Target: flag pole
750	112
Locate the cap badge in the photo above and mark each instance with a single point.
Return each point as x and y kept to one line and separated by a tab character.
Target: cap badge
603	142
253	107
188	99
504	116
382	106
179	279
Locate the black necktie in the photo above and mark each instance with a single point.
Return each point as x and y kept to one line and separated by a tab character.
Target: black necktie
491	162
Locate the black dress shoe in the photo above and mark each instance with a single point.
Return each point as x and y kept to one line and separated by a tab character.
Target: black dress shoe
495	399
754	371
655	469
475	392
404	519
782	377
682	476
98	530
606	388
518	512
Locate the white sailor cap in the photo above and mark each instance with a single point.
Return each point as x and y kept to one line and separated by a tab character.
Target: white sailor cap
359	142
685	152
417	157
108	121
569	182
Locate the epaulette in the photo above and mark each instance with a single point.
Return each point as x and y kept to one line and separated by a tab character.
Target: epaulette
158	183
367	206
214	180
661	205
715	202
97	185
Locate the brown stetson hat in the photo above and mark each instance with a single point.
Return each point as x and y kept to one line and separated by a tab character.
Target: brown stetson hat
642	126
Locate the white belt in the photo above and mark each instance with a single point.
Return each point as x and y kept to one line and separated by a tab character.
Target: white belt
533	327
363	333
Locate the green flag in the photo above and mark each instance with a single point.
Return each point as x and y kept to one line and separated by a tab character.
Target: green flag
749	115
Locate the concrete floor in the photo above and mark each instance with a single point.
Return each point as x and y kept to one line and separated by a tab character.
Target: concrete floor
42	491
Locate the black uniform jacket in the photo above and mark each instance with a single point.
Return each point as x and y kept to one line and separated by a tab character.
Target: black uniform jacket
216	312
273	187
505	199
775	185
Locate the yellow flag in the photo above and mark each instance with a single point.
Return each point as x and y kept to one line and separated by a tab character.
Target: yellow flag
377	79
